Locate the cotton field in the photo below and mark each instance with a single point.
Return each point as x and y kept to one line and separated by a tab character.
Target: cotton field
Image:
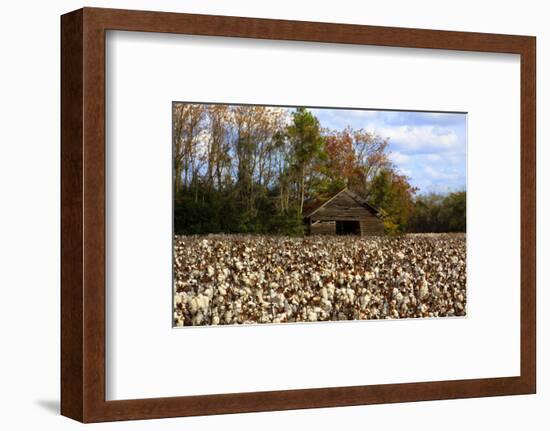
237	279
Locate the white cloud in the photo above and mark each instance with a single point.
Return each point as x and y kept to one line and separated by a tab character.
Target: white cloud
420	139
399	158
432	157
439	175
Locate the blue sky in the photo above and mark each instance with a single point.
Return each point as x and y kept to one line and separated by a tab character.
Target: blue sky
430	148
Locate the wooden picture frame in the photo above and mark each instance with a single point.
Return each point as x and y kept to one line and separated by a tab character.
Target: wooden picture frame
83	214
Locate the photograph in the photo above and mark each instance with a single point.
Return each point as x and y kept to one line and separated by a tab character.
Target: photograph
291	214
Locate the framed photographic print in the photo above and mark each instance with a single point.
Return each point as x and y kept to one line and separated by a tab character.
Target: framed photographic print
267	215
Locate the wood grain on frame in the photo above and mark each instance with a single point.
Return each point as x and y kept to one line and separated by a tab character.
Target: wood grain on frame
83	214
72	353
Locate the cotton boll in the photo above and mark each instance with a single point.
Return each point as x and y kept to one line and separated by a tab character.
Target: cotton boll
399	297
365	299
194	305
198	318
312	316
228	316
423	291
327	305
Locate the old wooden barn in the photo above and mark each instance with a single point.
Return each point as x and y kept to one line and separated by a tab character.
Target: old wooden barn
343	213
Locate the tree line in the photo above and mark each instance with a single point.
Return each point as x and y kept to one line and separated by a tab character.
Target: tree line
250	169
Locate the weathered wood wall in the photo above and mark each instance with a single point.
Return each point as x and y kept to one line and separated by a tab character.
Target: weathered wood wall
372	226
344	207
323	228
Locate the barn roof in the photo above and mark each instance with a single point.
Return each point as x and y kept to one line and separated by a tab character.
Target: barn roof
316	204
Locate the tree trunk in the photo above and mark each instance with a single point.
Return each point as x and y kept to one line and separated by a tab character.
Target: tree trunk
302	190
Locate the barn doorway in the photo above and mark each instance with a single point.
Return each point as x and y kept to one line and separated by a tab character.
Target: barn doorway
348	227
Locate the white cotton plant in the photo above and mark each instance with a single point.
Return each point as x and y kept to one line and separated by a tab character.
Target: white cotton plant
236	279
